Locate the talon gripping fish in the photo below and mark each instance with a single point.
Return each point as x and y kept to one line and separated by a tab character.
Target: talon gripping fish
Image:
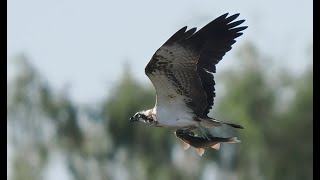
189	138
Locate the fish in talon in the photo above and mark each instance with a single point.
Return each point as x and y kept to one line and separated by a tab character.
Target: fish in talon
198	142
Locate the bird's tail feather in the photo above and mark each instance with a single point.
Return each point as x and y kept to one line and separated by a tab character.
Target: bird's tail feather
210	122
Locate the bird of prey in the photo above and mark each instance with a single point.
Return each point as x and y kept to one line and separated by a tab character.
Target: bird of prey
181	71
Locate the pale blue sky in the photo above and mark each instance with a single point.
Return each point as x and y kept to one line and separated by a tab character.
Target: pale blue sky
86	43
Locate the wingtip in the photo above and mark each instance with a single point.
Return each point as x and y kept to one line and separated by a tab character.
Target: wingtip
243	27
194	29
241	21
232	17
223	16
235	15
184	28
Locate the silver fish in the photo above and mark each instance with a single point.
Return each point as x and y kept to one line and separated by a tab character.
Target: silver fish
189	138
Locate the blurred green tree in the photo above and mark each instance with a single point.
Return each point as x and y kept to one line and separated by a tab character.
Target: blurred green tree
275	107
277	139
149	143
34	111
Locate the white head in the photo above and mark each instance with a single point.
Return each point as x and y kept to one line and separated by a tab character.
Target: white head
143	116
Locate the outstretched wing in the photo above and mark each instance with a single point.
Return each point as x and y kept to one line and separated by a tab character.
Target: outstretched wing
181	69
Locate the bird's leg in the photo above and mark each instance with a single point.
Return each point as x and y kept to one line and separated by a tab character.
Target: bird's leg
204	132
188	130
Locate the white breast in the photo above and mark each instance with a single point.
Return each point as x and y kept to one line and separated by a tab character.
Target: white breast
174	115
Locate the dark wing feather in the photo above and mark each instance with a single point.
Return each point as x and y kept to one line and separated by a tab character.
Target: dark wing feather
180	35
214	40
188	59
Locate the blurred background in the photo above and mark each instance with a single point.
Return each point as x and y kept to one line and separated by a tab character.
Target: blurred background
76	75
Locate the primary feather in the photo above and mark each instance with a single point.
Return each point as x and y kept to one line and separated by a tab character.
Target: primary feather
181	71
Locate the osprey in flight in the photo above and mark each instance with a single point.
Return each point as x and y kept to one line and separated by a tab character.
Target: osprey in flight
181	71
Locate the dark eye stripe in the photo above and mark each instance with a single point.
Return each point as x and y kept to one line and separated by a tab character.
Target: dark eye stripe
143	116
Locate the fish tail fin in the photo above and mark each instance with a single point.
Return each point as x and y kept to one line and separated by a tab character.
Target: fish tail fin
200	151
216	146
233	140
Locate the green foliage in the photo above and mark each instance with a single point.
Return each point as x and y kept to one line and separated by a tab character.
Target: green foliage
276	142
33	109
32	95
291	141
142	140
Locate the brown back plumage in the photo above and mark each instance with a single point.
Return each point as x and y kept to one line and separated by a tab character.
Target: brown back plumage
184	64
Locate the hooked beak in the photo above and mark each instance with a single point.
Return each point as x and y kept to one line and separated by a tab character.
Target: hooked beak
132	119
